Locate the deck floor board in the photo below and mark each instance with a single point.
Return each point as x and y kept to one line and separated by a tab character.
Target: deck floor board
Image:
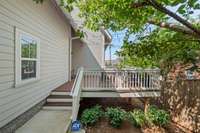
66	87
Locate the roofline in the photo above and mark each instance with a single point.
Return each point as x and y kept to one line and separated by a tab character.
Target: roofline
69	19
65	15
107	34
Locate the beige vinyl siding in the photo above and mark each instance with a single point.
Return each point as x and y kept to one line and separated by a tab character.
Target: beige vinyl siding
95	43
88	55
92	55
44	22
83	56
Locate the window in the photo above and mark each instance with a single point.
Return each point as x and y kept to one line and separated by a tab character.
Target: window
27	57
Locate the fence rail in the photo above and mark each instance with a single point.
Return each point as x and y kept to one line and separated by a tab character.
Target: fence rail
123	80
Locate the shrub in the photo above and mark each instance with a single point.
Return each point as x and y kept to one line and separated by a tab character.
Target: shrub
137	117
157	116
91	116
115	116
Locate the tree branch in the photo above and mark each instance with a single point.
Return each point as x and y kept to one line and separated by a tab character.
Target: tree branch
161	8
174	27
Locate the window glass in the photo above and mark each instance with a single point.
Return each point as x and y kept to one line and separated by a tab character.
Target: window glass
24	48
33	49
28	57
28	69
29	47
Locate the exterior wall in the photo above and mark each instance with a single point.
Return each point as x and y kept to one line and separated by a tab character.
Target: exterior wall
92	56
44	22
95	42
87	56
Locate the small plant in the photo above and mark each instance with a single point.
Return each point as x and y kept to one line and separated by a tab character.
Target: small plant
137	118
116	116
157	116
91	116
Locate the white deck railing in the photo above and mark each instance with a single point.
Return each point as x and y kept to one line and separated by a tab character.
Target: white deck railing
76	93
122	80
113	80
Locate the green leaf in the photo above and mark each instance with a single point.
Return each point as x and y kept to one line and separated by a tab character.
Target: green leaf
191	3
197	6
181	9
177	2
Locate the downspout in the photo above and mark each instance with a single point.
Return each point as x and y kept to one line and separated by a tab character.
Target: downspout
70	69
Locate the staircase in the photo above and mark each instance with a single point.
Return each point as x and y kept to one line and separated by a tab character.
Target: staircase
58	100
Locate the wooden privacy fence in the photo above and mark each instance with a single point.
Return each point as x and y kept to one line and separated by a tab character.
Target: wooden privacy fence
122	80
182	99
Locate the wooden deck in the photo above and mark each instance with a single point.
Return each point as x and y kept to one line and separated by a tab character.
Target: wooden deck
114	83
132	83
66	87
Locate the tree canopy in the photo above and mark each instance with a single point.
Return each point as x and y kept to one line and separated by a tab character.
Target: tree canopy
162	48
135	15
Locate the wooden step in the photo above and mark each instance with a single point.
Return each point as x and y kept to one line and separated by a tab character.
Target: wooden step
60	97
62	90
58	104
60	93
59	100
57	108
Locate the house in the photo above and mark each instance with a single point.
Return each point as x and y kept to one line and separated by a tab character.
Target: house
36	42
41	57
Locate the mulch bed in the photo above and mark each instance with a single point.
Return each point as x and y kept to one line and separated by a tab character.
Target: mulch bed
103	127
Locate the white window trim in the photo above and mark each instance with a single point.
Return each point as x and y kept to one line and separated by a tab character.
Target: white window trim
18	58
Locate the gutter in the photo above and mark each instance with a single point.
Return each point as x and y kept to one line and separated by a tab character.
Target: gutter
73	24
107	35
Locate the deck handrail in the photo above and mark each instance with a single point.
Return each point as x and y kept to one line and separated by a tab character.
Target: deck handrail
75	80
122	80
76	94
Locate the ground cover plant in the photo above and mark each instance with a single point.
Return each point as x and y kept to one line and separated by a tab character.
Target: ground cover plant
137	117
115	116
92	115
157	116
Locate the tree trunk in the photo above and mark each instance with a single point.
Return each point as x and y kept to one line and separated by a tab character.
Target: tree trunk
146	105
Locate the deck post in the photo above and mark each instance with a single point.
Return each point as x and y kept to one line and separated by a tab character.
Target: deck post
146	105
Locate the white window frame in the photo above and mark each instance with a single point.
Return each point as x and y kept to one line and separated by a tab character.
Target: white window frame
18	58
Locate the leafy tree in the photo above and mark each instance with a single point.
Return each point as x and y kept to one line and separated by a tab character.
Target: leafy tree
162	48
135	15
